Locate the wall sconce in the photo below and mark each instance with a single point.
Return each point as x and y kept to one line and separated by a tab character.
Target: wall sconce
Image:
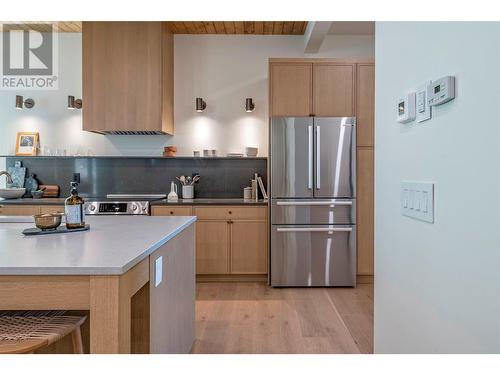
74	103
20	102
249	105
200	105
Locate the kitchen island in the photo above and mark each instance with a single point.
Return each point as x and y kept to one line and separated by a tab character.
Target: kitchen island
133	276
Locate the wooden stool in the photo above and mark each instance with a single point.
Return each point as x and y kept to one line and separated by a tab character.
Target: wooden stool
27	331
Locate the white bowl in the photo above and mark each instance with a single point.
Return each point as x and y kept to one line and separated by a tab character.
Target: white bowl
12	193
251	151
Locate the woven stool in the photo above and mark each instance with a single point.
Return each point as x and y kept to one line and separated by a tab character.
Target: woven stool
27	331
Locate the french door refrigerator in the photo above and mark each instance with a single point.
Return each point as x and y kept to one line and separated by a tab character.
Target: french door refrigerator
313	205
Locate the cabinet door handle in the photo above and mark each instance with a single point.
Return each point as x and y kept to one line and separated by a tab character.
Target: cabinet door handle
230	212
171	212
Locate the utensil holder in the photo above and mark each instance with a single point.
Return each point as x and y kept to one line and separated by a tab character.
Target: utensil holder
187	192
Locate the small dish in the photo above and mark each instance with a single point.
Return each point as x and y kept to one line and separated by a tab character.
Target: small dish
48	221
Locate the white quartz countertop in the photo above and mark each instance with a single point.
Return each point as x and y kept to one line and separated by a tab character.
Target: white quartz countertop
112	246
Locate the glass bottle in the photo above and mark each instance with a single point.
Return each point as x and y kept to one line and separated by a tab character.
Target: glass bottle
73	209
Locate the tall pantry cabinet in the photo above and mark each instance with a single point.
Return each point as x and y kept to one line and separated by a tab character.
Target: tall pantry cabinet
335	88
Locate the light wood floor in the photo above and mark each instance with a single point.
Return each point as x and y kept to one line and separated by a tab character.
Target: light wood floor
255	318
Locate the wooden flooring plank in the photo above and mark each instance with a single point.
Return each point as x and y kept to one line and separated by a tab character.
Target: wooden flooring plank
252	317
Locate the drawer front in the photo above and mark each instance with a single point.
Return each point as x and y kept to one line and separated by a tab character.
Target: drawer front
230	212
171	211
51	209
21	210
319	211
309	255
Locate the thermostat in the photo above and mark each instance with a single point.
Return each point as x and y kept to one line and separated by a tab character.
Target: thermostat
441	91
406	108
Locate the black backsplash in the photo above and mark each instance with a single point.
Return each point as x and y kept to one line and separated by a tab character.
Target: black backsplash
220	177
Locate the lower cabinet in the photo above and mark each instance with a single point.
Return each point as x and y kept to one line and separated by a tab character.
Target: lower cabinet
212	247
28	210
230	240
249	247
19	210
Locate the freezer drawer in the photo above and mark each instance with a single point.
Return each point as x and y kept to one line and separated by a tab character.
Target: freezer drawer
317	211
313	255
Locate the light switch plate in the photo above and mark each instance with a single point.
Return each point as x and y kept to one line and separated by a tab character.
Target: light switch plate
158	271
417	200
423	109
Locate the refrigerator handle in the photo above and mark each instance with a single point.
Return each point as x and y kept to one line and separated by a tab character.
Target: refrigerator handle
310	158
301	229
318	157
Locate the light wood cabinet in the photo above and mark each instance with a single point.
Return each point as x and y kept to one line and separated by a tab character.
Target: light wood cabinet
51	209
230	240
290	89
365	208
312	87
127	77
333	90
19	210
365	104
212	247
171	211
249	247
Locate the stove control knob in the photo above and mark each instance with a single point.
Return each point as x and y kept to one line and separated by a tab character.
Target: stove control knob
134	207
92	208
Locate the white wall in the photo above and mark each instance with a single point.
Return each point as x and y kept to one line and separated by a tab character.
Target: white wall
222	69
225	70
437	286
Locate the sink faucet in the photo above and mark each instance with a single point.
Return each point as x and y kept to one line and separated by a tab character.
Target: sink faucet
7	174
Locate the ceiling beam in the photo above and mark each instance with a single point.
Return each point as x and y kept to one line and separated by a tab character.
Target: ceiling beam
315	35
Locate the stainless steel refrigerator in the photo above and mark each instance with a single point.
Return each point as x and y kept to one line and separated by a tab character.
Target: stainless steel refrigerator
313	201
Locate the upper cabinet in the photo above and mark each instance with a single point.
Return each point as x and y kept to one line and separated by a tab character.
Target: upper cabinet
333	90
304	87
291	89
127	78
365	108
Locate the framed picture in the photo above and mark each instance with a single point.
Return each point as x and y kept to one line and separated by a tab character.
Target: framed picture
26	143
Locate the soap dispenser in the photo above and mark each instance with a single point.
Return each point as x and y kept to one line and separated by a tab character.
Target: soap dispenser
172	196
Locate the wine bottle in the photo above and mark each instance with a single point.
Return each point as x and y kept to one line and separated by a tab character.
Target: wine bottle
73	209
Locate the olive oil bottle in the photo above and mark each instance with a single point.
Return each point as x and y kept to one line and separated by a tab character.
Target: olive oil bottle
73	209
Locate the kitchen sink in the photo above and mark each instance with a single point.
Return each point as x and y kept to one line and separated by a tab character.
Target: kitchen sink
11	193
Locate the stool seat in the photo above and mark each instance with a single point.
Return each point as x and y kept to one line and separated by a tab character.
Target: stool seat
27	331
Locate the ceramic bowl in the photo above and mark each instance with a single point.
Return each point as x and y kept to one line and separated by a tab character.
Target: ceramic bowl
48	221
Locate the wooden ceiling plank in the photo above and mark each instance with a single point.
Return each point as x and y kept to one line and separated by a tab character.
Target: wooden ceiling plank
219	27
190	27
209	27
287	27
304	26
259	27
268	27
173	27
180	27
229	26
249	27
297	28
239	27
200	27
278	28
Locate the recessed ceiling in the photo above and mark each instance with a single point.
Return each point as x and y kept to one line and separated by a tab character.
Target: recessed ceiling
352	28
